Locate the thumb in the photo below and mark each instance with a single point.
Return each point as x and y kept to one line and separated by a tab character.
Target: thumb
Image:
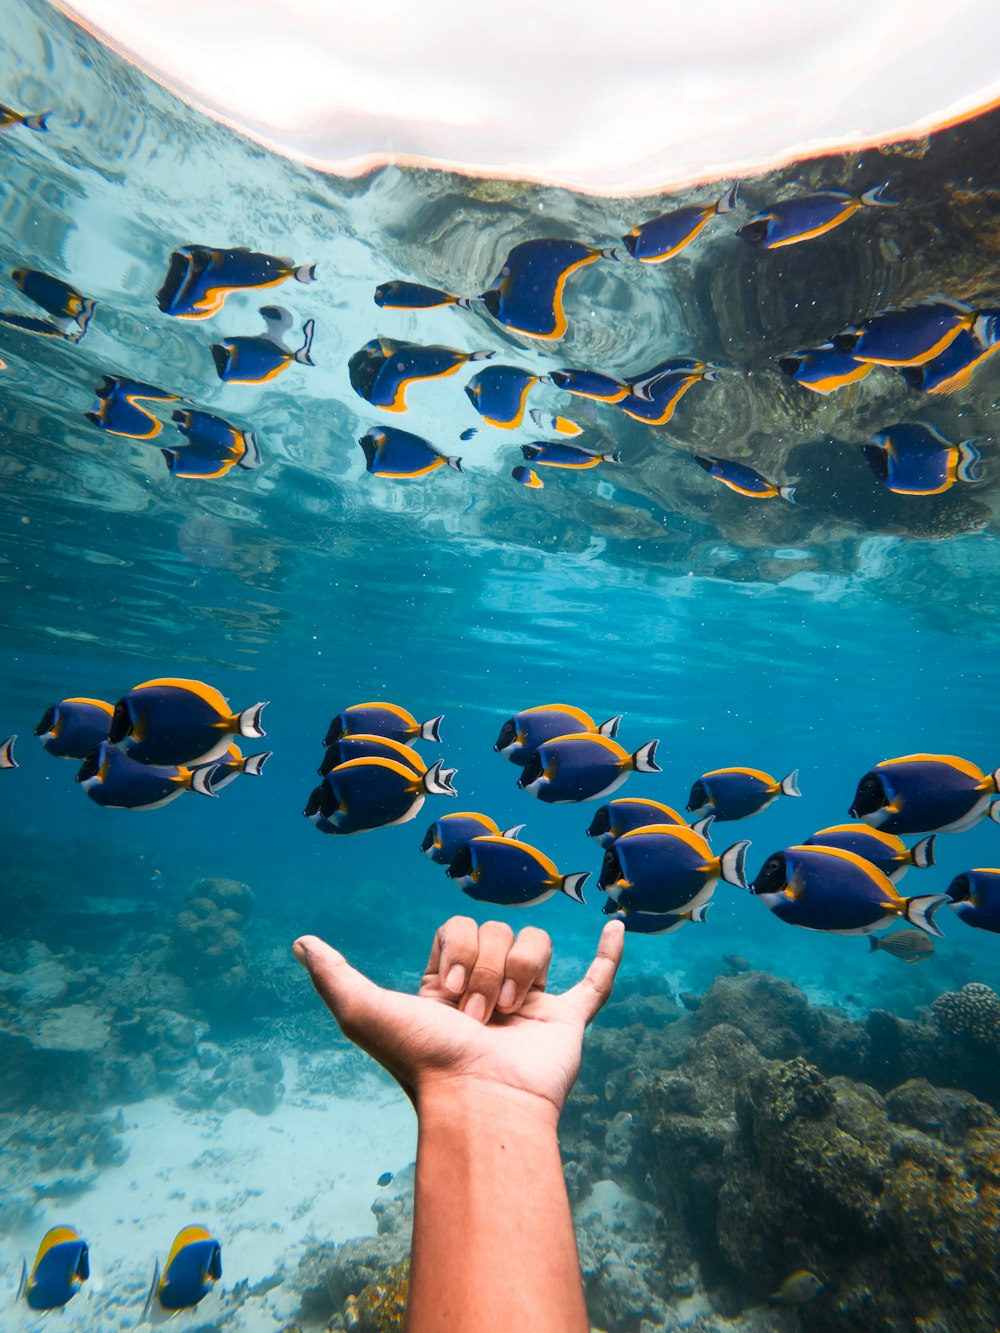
346	992
589	994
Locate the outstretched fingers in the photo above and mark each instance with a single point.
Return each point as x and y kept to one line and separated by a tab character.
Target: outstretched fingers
589	994
453	956
348	994
526	968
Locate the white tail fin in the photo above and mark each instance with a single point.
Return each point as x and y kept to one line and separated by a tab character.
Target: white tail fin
39	123
249	721
251	459
610	728
437	780
305	273
481	356
729	200
922	854
201	780
7	759
612	458
511	832
732	865
147	1308
572	886
920	912
700	913
253	764
302	356
644	759
790	785
453	462
431	730
875	196
969	459
703	826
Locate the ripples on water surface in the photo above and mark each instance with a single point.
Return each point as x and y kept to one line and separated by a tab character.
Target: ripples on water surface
824	635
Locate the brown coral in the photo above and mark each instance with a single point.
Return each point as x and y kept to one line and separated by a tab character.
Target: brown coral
972	1013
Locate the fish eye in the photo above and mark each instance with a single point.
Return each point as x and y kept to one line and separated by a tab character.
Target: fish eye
870	795
428	841
698	797
960	889
46	722
508	734
462	863
600	824
532	769
89	766
772	875
611	868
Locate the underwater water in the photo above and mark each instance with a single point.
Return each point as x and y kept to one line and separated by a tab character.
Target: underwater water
167	1064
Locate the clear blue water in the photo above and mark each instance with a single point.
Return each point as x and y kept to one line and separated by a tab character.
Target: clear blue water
851	627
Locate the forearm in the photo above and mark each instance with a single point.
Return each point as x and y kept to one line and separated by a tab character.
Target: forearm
494	1248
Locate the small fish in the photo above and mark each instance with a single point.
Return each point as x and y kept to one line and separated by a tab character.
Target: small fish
468	433
553	425
668	868
400	295
664	236
975	896
738	793
630	812
199	278
379	719
110	778
525	477
9	118
926	793
46	327
908	336
744	480
451	832
214	446
383	370
797	1289
654	923
233	765
610	1091
61	300
398	455
499	394
366	794
954	367
911	946
588	384
823	369
72	728
363	746
61	1267
582	767
555	453
809	215
824	888
511	873
7	759
255	360
386	1178
653	396
911	459
175	721
116	409
884	850
527	294
526	730
193	1267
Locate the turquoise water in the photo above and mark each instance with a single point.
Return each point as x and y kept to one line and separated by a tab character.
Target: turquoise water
825	636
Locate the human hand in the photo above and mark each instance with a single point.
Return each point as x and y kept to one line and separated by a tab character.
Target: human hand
482	1016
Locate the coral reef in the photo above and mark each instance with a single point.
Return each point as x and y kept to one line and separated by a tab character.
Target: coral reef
972	1013
209	951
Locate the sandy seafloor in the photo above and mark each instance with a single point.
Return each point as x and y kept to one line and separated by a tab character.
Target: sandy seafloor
266	1186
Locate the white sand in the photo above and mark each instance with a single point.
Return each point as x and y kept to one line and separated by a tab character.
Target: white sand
266	1186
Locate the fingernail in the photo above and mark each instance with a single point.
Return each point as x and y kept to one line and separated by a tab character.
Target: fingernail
455	980
508	993
300	953
476	1008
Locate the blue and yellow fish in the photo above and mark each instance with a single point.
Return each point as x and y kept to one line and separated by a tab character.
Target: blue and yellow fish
809	215
662	237
884	850
234	764
654	395
110	778
913	459
47	328
173	721
521	734
908	336
362	746
554	425
499	394
193	1267
447	835
588	384
366	794
583	768
823	369
626	813
116	409
199	278
744	480
525	477
62	301
511	873
383	370
257	359
975	896
7	759
399	455
654	923
668	868
826	888
557	453
381	719
954	367
527	294
9	118
72	728
61	1267
213	446
401	295
926	793
738	793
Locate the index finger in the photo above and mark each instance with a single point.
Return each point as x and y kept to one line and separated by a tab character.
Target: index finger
590	994
453	953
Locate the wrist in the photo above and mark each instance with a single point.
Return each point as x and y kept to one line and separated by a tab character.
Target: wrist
452	1101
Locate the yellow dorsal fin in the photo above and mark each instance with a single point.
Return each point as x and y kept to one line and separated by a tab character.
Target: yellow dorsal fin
94	703
207	693
757	773
56	1236
577	714
880	880
540	858
407	756
401	713
679	831
186	1236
